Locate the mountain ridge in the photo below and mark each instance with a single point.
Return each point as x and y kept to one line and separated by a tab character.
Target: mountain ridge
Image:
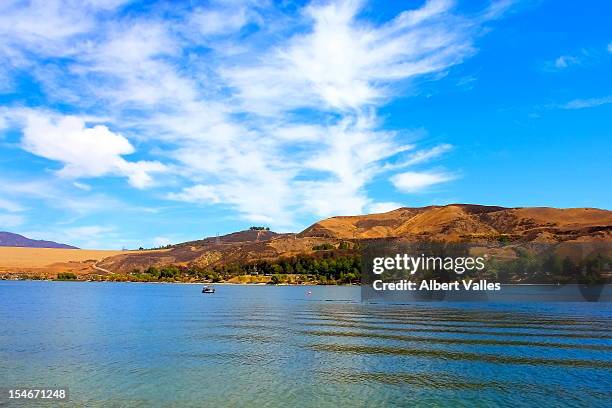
346	236
457	221
453	223
10	239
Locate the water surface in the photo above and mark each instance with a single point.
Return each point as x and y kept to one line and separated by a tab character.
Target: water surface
132	344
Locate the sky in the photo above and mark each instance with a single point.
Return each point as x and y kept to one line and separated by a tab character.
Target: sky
128	124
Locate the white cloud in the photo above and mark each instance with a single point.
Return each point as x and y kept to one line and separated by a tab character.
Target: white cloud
87	231
10	221
82	186
224	104
161	241
53	194
85	236
565	61
198	194
383	207
421	156
46	27
219	21
411	182
41	22
10	206
345	63
587	103
584	57
84	151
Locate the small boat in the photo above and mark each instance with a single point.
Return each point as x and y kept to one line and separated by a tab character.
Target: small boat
208	289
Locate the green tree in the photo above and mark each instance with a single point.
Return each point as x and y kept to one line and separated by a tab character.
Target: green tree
344	245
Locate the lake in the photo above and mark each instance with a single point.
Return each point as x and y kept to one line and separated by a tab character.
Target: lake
138	344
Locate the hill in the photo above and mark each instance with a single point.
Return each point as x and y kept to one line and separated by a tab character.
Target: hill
456	222
467	221
9	239
48	262
343	235
236	237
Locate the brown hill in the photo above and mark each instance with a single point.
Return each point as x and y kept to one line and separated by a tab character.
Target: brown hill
466	221
454	222
47	262
242	246
236	237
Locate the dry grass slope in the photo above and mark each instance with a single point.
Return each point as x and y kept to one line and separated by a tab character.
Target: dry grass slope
458	221
50	261
449	223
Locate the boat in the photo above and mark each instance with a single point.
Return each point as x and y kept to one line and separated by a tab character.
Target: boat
208	289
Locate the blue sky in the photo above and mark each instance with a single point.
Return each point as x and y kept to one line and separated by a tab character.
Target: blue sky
127	123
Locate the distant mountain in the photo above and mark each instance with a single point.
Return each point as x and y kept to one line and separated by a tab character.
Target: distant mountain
8	239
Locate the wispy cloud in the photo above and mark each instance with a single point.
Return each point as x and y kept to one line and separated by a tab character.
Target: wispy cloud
584	57
10	205
86	236
10	221
383	207
345	63
10	213
270	113
566	61
412	182
54	194
587	103
161	241
198	194
82	186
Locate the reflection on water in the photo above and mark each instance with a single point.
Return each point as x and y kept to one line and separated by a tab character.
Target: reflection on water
146	345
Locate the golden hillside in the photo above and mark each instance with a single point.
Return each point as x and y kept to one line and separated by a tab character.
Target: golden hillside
456	222
464	221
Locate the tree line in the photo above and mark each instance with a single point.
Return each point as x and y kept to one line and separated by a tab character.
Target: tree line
328	268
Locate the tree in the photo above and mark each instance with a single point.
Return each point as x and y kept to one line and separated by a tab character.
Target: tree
570	268
344	245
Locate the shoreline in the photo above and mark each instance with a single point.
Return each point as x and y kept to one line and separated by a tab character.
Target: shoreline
177	283
257	284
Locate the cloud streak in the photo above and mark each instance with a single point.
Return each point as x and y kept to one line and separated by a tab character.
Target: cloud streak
587	103
269	113
413	182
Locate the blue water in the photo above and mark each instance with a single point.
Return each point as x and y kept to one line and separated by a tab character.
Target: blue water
131	344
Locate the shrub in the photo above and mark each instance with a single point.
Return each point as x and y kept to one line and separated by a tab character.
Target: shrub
323	247
344	245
